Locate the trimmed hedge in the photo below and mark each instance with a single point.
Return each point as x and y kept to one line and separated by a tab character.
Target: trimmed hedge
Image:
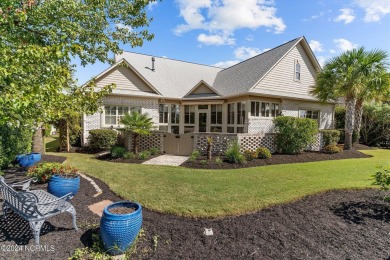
102	139
330	136
294	134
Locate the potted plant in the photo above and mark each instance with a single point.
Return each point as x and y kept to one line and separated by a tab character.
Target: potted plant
62	179
119	226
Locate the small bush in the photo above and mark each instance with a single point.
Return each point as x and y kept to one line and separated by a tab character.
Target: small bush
233	154
250	155
203	162
332	148
154	151
218	161
44	171
118	151
330	136
263	153
194	155
102	139
382	178
128	155
294	134
144	155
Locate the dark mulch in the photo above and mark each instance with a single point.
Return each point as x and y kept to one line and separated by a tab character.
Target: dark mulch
202	163
122	160
53	158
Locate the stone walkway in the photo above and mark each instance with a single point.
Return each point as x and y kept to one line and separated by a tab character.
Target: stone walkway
167	159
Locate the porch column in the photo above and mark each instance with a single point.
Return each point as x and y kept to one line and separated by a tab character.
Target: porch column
224	117
181	119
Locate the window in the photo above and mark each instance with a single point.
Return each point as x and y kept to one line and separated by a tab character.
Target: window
255	108
313	114
163	113
114	114
175	114
230	129
231	114
240	113
216	114
189	114
264	109
203	106
297	70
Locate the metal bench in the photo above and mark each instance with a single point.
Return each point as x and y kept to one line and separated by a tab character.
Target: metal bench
35	206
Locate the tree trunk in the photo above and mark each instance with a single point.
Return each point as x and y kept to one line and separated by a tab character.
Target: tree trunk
358	118
208	151
37	145
67	136
349	122
136	136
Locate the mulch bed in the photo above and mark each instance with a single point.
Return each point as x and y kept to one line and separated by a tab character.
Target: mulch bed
122	160
351	224
53	158
202	163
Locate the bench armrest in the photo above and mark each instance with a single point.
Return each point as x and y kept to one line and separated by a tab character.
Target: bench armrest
57	203
25	185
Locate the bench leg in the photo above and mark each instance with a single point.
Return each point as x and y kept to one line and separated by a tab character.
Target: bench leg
72	211
5	209
36	229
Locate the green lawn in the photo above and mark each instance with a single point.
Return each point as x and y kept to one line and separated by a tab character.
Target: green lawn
214	193
52	143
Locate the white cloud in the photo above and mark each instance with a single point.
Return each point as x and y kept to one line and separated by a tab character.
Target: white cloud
345	45
122	26
226	64
316	46
216	39
313	17
226	16
375	9
346	15
152	5
321	60
332	51
250	38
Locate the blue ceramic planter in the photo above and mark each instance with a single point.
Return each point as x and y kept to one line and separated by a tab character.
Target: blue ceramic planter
60	186
118	231
35	157
27	160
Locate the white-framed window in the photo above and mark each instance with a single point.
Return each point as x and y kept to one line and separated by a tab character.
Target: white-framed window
297	70
216	118
175	118
313	114
114	114
241	113
230	114
264	109
163	114
189	118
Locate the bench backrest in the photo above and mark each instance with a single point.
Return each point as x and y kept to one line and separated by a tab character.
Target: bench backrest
24	203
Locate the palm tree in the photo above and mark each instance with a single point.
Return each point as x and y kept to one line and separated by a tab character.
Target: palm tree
356	76
138	124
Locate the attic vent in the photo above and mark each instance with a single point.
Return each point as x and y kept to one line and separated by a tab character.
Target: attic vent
153	60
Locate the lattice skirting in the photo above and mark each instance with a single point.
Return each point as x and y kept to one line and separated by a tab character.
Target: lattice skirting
155	140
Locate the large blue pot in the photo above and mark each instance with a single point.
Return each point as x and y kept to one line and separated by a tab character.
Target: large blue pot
25	160
118	231
60	186
35	157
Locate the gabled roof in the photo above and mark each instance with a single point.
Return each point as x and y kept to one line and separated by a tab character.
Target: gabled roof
242	77
173	78
212	92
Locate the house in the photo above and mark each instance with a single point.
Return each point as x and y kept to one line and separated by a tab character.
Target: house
188	100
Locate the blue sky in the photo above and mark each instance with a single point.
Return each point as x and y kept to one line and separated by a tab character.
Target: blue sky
224	32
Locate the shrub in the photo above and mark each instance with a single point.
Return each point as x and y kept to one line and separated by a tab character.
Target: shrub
330	136
154	151
203	162
250	155
382	178
376	125
128	155
263	153
144	155
14	140
233	154
332	148
194	155
218	161
118	151
101	139
44	171
294	134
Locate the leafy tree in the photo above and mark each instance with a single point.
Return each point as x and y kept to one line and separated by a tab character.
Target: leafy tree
139	125
375	124
357	75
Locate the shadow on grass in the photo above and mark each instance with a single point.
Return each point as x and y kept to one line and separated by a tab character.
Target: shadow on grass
52	143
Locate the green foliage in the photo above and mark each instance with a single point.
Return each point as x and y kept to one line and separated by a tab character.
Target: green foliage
96	252
101	139
294	134
44	171
14	140
233	154
194	155
339	116
250	155
129	155
382	178
2	173
203	162
144	155
375	124
154	151
330	136
48	129
331	148
118	152
263	153
218	161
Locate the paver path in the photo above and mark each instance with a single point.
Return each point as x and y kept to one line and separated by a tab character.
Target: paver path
167	159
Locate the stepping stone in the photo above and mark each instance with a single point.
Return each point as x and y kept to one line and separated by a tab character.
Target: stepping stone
167	159
98	207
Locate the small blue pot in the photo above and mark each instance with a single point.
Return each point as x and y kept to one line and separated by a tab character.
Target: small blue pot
118	231
25	160
60	186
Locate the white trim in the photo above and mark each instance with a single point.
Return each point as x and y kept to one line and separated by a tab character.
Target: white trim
198	85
